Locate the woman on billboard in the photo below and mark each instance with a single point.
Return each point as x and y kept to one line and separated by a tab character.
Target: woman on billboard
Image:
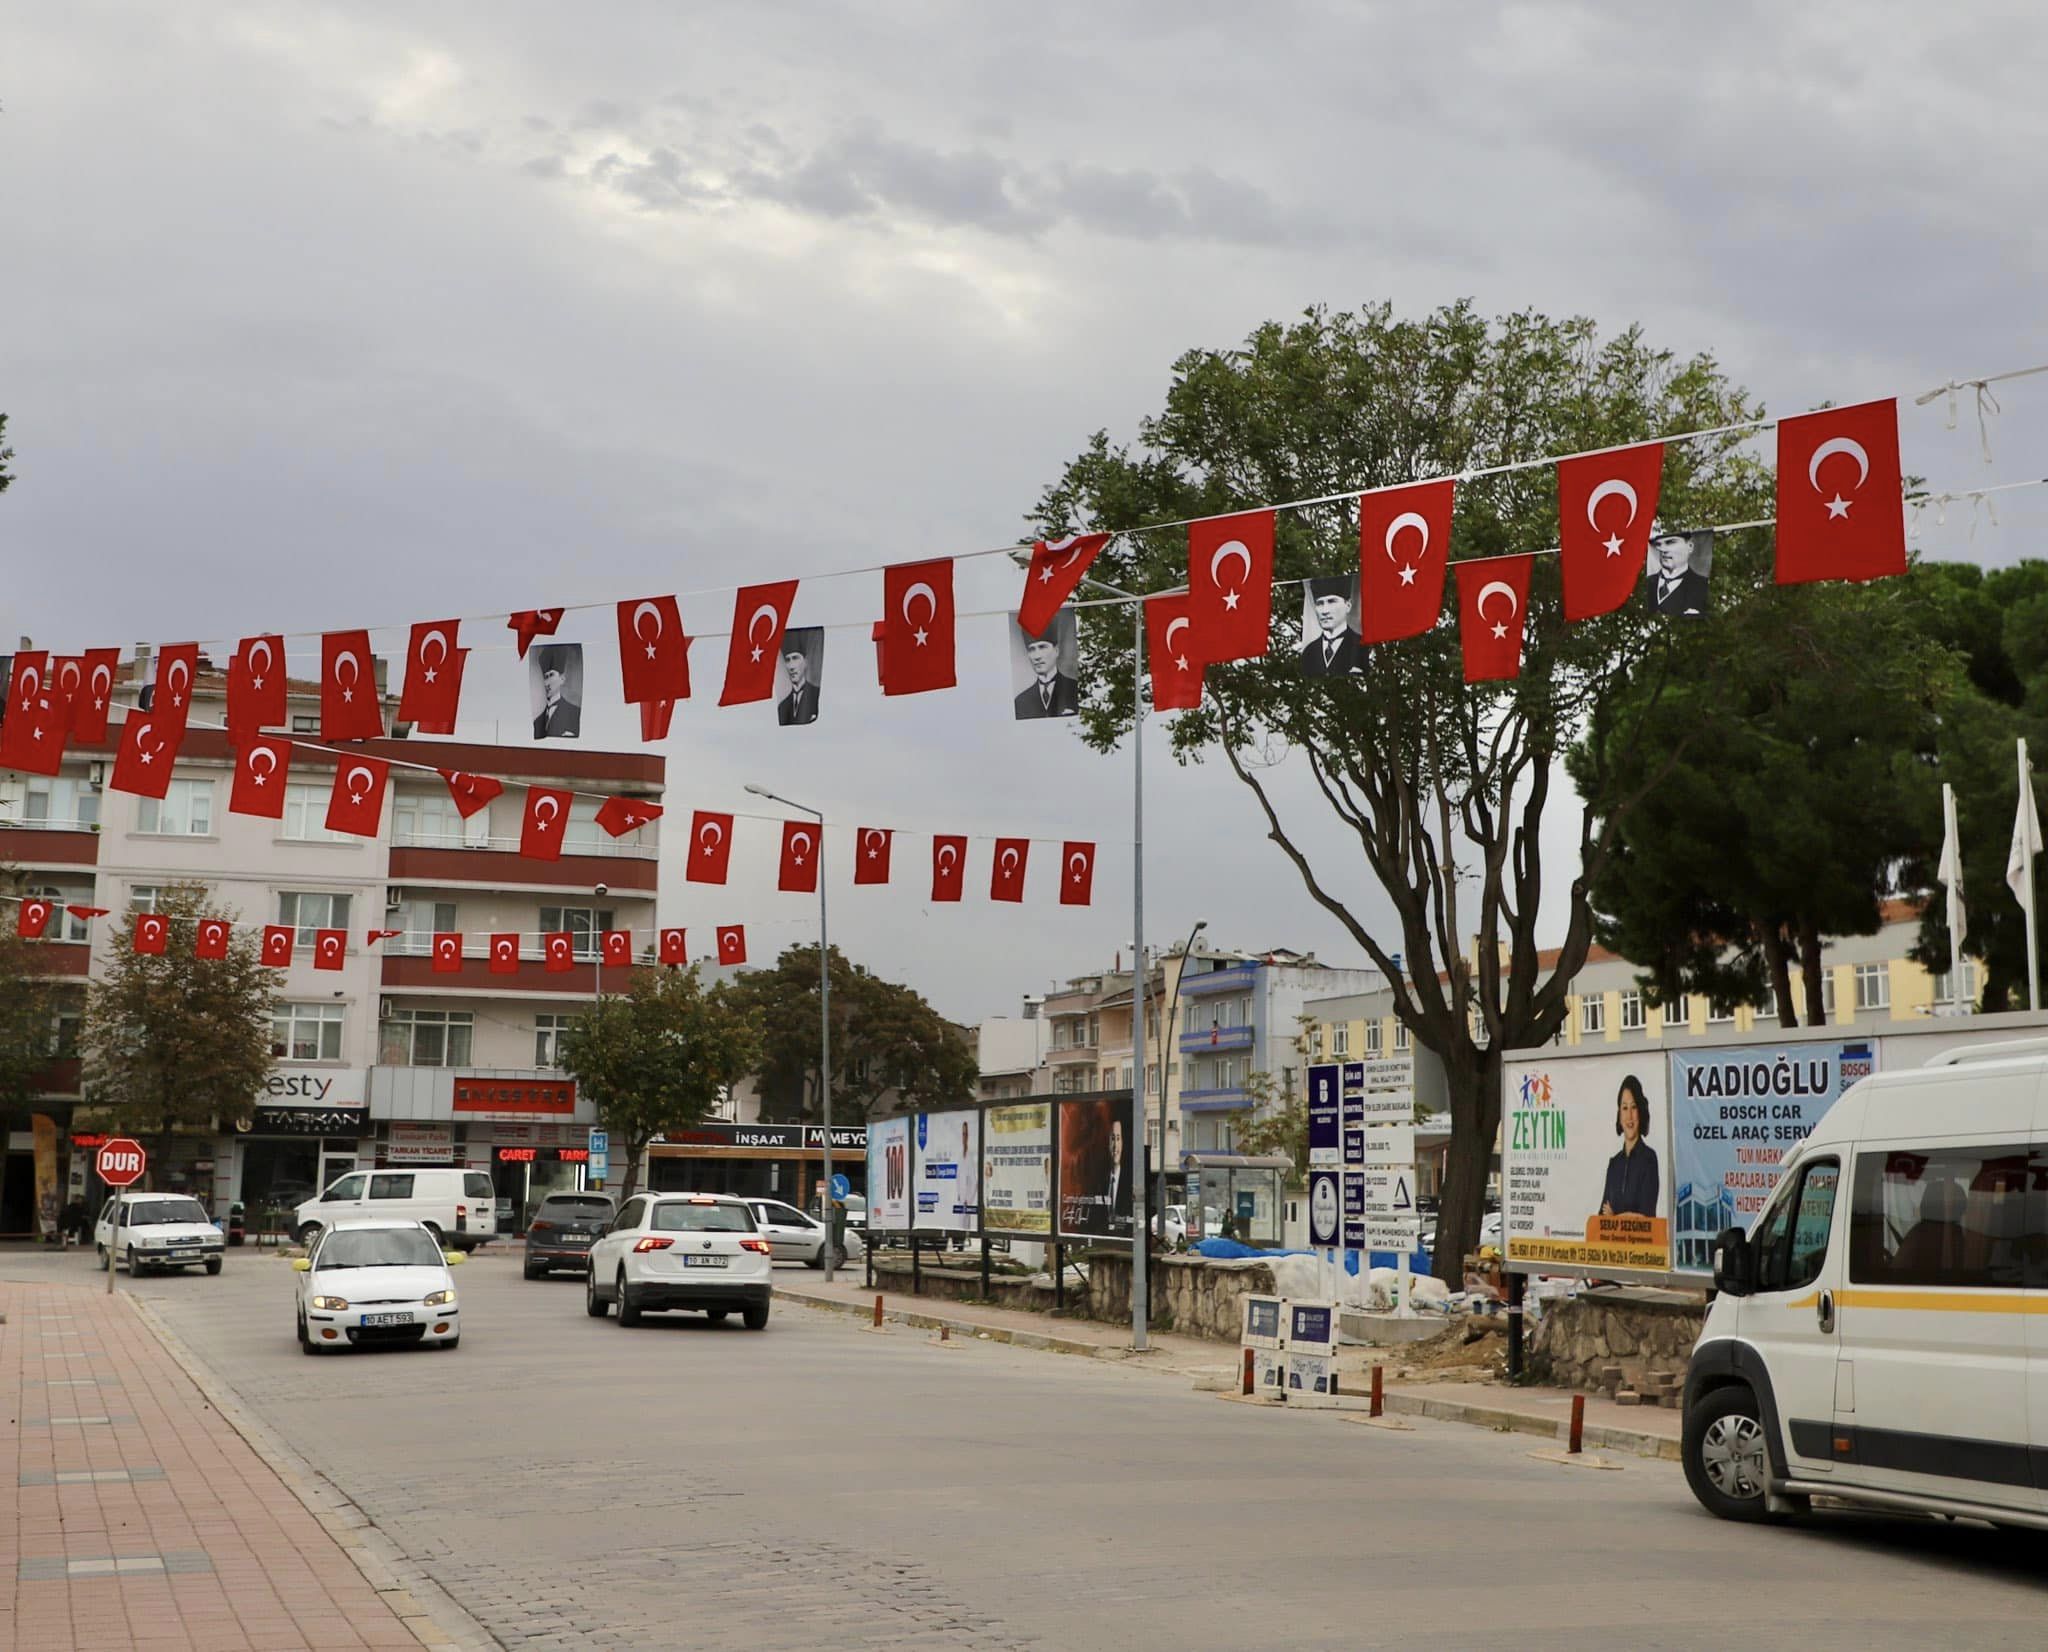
1632	1172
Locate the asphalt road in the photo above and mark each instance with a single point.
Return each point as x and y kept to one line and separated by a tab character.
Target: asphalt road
815	1486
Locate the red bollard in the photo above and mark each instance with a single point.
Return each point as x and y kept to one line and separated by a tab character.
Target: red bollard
1248	1370
1578	1425
878	1313
1378	1398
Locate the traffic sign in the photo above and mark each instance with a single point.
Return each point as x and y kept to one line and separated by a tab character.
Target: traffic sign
600	1142
121	1162
840	1186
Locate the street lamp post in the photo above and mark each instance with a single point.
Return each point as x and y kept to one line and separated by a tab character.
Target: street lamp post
1166	1062
596	994
824	1031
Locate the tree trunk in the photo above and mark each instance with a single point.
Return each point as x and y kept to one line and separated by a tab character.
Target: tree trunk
635	1151
1475	1096
1772	939
1809	967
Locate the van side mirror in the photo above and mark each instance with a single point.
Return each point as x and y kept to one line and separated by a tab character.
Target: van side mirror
1734	1264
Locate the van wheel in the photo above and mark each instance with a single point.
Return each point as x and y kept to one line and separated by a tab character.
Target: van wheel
439	1242
1726	1463
308	1232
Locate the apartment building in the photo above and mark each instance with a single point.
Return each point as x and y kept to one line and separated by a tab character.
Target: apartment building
1010	1053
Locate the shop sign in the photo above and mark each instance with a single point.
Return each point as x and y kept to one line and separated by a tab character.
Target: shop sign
321	1087
515	1095
419	1144
305	1121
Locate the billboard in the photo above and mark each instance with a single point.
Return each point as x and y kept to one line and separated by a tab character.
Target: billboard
1016	1170
948	1187
1587	1163
888	1175
1098	1163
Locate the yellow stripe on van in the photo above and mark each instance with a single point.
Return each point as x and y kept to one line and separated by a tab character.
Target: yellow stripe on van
1944	1302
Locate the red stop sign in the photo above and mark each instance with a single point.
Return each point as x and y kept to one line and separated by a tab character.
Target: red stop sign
121	1162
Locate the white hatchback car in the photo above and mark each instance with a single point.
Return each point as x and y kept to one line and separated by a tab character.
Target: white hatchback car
158	1230
681	1250
377	1283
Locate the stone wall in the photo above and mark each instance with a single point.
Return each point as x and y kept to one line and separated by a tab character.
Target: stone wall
892	1273
1609	1341
1193	1295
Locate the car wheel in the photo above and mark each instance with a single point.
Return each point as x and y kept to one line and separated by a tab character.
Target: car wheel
756	1316
306	1343
532	1272
308	1232
593	1304
213	1266
629	1310
452	1343
716	1315
134	1267
106	1261
1726	1463
816	1258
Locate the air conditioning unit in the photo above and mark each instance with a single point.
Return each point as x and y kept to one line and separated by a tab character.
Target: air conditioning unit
393	899
386	1008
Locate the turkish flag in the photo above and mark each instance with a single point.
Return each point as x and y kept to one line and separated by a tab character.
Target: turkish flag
84	913
471	791
504	955
170	696
210	939
917	627
142	762
559	951
277	945
376	935
1841	511
330	948
447	952
1172	654
655	716
433	677
1606	506
87	710
1006	871
710	847
545	823
261	765
620	815
1056	569
732	944
1493	606
32	737
949	867
152	931
356	805
348	688
533	622
256	687
799	874
618	948
33	918
871	854
654	655
674	948
1404	546
1077	864
1230	584
759	614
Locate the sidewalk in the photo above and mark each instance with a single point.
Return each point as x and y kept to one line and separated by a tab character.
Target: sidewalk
1546	1412
139	1518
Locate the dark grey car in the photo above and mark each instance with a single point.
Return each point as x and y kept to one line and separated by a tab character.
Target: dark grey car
562	1229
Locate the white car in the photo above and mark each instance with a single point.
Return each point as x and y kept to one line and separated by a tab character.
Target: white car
375	1283
681	1250
792	1235
158	1230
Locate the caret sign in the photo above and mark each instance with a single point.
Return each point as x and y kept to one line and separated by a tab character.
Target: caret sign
121	1162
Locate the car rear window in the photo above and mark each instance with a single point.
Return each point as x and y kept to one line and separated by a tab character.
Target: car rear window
685	1218
561	1205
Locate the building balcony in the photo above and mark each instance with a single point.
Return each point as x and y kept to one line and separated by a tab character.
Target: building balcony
1237	978
62	1077
1233	1100
498	868
416	973
63	960
1197	1039
1067	1054
57	843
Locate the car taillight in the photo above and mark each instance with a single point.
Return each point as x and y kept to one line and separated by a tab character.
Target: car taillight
652	1243
758	1245
543	1227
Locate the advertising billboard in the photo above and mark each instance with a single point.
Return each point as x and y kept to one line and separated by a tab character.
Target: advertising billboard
1098	1163
1587	1163
948	1165
888	1175
1016	1170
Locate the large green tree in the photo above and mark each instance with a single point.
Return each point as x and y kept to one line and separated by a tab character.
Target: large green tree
178	1042
658	1056
886	1041
27	1007
1442	786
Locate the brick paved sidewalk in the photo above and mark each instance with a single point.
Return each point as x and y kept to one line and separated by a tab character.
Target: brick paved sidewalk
139	1518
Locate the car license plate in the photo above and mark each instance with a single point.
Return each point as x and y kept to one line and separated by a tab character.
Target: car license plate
703	1261
576	1238
387	1319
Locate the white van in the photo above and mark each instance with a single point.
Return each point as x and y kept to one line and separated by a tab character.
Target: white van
1881	1333
459	1205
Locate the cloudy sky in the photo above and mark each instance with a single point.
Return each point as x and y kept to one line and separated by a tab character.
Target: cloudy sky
330	315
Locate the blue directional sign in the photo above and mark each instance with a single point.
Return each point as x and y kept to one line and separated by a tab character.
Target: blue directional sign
840	1186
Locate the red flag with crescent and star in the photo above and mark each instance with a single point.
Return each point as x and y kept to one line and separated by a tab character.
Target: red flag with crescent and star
759	614
618	948
33	917
261	764
558	951
85	913
871	854
256	687
1404	546
504	955
1077	866
675	947
1057	567
88	708
1606	507
654	654
1006	869
710	847
949	867
1841	506
917	627
799	872
210	939
732	943
655	717
620	815
348	688
471	791
170	696
32	737
533	622
142	762
1493	606
1172	653
278	940
356	805
447	952
1230	584
330	948
546	822
152	934
433	677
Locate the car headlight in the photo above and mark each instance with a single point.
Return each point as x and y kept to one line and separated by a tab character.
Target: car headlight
333	1304
440	1299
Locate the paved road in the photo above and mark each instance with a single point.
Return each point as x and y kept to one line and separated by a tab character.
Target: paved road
577	1485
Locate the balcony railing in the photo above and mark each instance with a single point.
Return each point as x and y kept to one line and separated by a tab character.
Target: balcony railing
601	844
1196	1039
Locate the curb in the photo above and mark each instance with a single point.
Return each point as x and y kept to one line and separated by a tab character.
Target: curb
967	1329
422	1605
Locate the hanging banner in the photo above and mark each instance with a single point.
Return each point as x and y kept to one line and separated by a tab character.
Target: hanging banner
1736	1113
889	1175
1586	1162
948	1187
1016	1170
1098	1164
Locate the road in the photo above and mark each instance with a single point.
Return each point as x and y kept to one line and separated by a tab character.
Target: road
576	1485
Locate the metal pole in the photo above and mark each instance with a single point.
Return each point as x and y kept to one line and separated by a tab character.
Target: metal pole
825	1050
1166	1054
2027	857
1955	941
1141	1230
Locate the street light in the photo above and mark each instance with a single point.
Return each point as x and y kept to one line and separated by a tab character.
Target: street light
1166	1062
824	1027
596	996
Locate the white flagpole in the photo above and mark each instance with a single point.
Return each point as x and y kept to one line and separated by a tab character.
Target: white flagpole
1952	874
2030	832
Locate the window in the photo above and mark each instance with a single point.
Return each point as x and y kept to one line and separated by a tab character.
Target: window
427	1038
427	818
476	1184
420	921
1400	1036
65	1026
142	897
547	1039
1340	1040
1792	1240
1944	985
1475	1019
630	1216
302	724
1632	1019
1827	993
59	802
1593	1013
305	815
1717	1016
1873	986
186	810
1953	1216
349	1187
306	1032
310	911
586	925
63	926
391	1185
1681	1012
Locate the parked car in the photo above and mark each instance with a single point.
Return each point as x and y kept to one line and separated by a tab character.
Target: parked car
377	1283
681	1250
158	1231
794	1236
563	1229
856	1212
458	1205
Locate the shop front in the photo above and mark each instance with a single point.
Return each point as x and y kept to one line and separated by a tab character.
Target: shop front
307	1128
756	1161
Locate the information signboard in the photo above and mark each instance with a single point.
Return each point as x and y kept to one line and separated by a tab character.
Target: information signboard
1325	1212
1323	1138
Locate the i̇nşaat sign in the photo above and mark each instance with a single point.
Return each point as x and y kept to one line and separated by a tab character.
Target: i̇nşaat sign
515	1095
